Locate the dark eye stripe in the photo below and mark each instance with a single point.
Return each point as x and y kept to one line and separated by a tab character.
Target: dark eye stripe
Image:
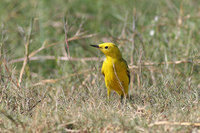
106	47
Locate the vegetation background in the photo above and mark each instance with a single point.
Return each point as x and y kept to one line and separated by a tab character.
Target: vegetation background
43	89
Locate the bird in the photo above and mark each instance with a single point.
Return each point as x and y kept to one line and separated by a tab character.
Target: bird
115	70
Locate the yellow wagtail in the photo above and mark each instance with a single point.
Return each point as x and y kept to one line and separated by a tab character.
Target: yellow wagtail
114	69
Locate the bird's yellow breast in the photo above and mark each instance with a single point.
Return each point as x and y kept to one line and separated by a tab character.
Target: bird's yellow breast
116	76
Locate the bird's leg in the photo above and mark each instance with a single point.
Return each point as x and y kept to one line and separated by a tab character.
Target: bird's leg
122	97
108	94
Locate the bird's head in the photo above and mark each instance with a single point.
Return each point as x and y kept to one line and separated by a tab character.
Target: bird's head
109	49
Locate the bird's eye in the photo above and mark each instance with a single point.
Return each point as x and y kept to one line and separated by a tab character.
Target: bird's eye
106	47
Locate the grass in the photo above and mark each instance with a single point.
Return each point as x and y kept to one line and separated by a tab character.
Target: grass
58	94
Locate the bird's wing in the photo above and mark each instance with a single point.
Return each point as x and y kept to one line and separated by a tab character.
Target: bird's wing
127	69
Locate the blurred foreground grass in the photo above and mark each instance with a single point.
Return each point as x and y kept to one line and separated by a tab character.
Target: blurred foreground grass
163	51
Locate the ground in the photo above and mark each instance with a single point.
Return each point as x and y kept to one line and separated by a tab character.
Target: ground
48	84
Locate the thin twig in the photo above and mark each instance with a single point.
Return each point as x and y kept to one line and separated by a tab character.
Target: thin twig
175	123
139	63
66	37
26	53
133	39
40	49
79	29
152	76
1	56
10	75
170	62
35	58
132	48
72	130
67	44
44	46
123	33
120	83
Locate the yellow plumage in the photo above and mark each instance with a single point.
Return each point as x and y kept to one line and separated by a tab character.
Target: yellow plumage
114	69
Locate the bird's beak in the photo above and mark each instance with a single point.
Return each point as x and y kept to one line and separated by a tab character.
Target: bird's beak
96	46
